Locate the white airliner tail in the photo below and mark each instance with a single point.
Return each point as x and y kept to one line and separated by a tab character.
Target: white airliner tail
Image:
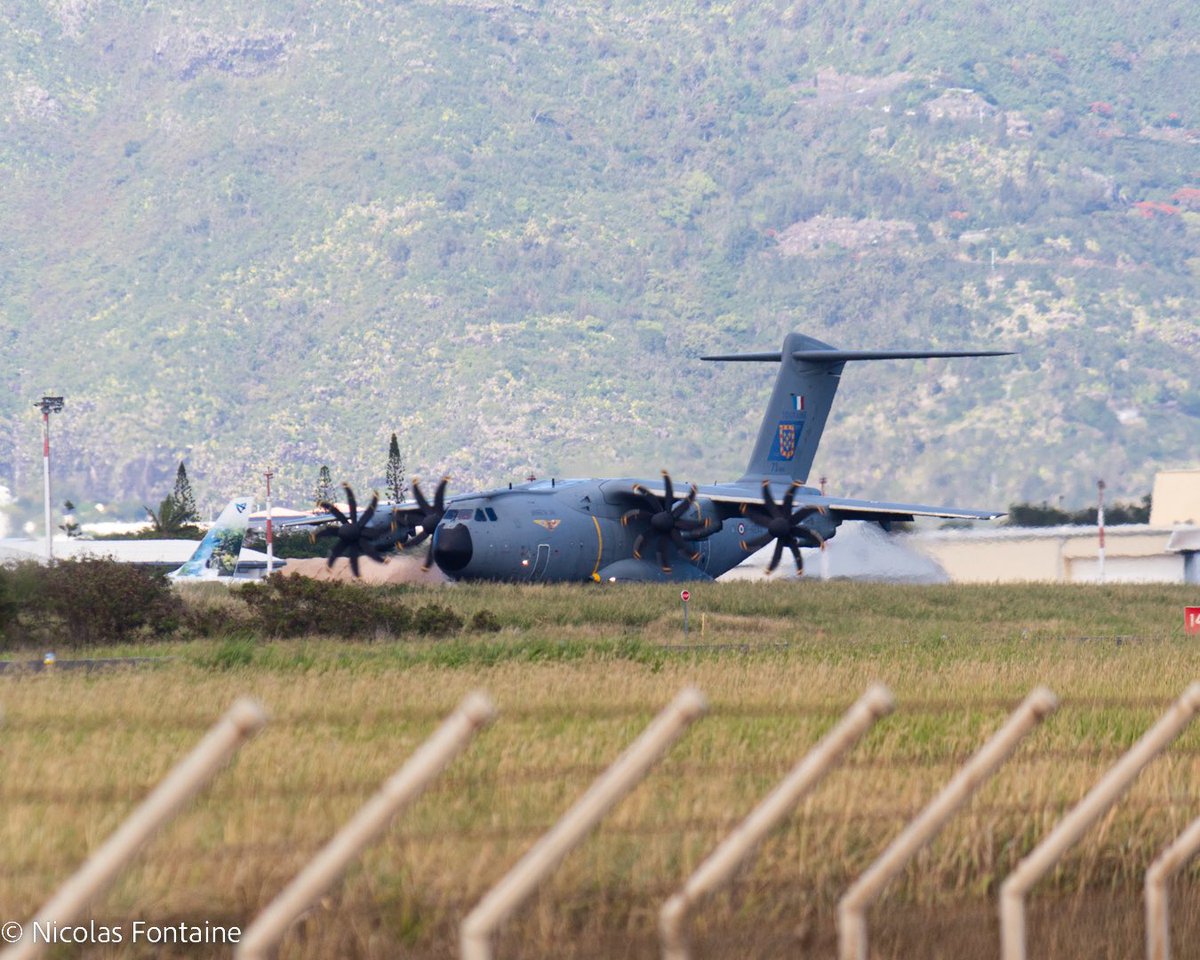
217	555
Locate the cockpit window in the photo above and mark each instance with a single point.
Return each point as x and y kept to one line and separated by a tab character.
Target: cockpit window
479	515
491	514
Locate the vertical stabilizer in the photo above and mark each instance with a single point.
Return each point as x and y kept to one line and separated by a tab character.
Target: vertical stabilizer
809	373
217	555
796	413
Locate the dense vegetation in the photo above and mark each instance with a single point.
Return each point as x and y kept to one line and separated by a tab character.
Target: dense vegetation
270	238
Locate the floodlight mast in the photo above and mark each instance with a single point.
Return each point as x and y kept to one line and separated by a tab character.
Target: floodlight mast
48	405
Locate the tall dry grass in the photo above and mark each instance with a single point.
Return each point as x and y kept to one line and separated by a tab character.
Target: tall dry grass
577	674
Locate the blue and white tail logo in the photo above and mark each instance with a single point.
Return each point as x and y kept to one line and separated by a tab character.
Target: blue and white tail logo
217	555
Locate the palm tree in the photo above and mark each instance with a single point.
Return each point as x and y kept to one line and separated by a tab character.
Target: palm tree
171	521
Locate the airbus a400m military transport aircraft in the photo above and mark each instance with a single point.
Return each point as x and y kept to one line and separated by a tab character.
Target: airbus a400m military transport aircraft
638	529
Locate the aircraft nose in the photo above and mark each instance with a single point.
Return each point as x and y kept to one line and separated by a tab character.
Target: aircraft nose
452	548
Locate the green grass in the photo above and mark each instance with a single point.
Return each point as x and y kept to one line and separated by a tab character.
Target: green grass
577	673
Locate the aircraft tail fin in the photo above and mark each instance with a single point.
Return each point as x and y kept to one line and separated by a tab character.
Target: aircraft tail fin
217	555
809	374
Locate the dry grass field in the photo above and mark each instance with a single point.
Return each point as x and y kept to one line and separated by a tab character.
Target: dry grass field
577	673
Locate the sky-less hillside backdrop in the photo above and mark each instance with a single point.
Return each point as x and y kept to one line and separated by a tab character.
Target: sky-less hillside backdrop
268	235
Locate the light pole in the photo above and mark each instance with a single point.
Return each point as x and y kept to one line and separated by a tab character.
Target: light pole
270	541
48	405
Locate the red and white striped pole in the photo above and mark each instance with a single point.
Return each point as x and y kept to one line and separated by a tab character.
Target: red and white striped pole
270	539
1100	524
48	405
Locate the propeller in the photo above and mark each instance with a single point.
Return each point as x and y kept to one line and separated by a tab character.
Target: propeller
353	540
426	516
785	526
667	522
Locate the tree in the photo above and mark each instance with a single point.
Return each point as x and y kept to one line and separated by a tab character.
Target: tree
169	521
395	471
185	500
69	526
324	489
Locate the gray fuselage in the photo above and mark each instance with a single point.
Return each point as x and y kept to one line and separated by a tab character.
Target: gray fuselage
569	530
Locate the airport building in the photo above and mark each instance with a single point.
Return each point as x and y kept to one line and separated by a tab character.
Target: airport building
1163	551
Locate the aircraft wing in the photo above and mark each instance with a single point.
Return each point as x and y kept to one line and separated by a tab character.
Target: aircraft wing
736	494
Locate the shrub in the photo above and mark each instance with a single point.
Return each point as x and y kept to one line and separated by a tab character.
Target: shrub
296	606
88	601
435	619
484	621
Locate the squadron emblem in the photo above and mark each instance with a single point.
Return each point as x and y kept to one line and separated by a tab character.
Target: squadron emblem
548	524
787	440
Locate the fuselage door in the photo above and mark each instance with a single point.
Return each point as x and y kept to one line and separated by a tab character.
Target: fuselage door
541	562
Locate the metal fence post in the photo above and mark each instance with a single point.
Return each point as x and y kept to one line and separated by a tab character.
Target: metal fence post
1158	927
404	786
629	769
716	871
1102	796
242	721
852	909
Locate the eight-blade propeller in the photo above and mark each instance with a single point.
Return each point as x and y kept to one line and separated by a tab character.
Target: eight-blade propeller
353	540
356	539
667	522
785	526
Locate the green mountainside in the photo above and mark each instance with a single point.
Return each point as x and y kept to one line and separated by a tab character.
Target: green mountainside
269	236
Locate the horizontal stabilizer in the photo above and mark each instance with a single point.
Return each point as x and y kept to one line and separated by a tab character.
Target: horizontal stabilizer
841	356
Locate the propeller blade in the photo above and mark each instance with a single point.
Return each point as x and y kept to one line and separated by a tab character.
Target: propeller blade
662	555
428	557
761	541
354	565
790	496
678	510
351	502
637	546
776	556
332	508
796	556
670	490
439	496
419	496
767	501
636	515
369	512
682	547
759	516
